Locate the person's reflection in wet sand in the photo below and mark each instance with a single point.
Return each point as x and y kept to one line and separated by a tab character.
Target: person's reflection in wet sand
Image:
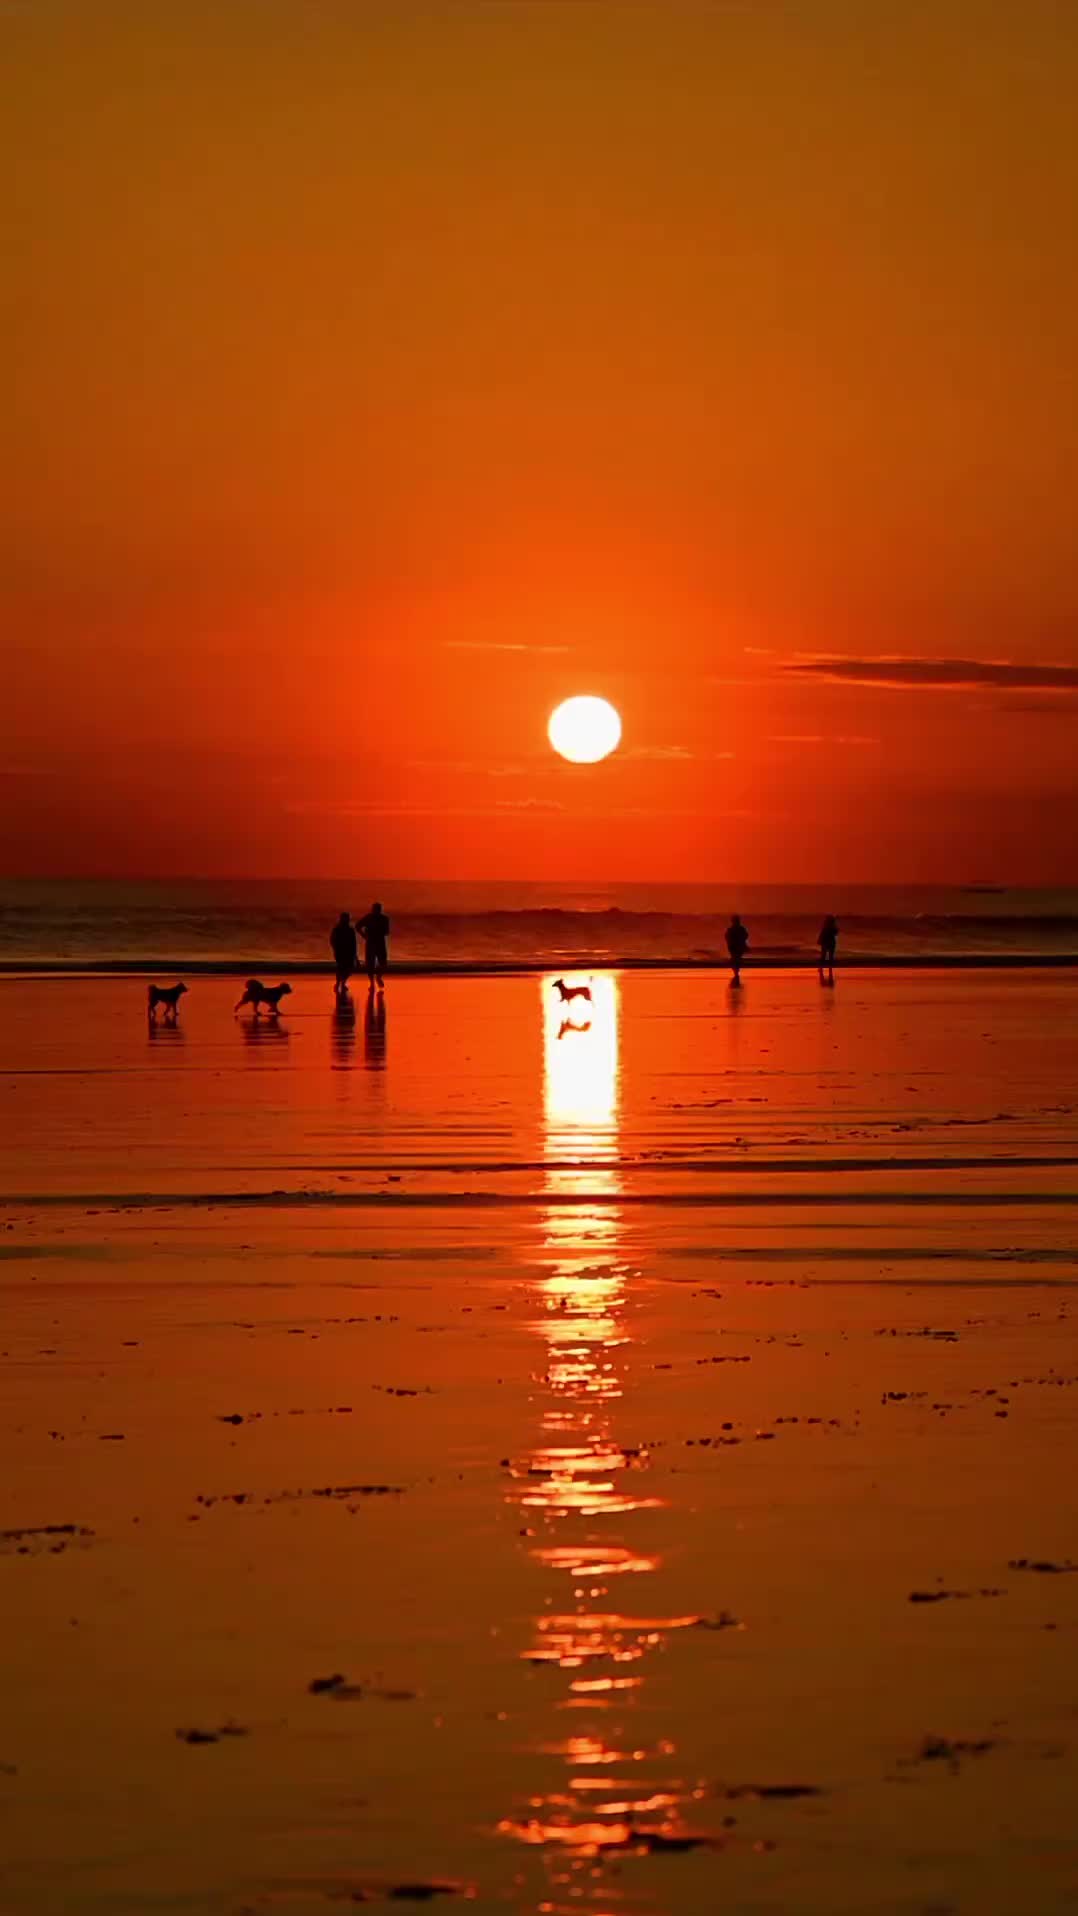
342	1030
374	1032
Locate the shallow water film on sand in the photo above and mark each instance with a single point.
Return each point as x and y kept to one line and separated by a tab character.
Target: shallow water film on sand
612	1456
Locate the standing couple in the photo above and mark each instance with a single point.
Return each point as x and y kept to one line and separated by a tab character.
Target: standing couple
343	939
737	944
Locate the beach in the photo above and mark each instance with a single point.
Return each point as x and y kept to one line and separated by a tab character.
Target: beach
614	1457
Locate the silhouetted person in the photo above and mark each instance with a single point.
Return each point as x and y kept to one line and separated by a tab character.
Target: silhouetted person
342	940
374	931
827	941
737	944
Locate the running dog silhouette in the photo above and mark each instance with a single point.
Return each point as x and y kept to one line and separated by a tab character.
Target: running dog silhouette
167	995
568	992
257	994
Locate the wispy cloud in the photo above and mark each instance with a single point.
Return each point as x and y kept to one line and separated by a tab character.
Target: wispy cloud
502	645
528	805
919	674
501	808
673	755
355	808
403	809
465	768
1040	708
675	811
669	753
820	738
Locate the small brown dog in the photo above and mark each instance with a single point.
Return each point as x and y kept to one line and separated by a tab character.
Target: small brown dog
257	994
568	992
167	995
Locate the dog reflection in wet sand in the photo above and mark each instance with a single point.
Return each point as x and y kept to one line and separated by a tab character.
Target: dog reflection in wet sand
257	994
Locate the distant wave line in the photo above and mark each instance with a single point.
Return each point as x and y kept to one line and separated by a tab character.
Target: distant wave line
733	1166
809	1257
262	967
537	1200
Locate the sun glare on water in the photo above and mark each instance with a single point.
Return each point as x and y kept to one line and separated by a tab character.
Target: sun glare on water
584	729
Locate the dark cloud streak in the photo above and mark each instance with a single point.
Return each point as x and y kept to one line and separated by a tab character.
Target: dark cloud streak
907	674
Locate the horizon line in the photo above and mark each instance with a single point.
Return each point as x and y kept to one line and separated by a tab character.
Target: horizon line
956	883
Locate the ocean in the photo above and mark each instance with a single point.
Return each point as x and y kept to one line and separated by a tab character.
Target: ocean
81	925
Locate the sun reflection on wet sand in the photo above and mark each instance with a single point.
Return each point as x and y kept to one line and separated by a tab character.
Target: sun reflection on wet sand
582	1485
580	1126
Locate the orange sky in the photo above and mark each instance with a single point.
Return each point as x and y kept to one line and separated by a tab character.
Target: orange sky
385	372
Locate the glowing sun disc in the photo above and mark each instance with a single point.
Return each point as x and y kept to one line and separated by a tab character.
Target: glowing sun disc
584	729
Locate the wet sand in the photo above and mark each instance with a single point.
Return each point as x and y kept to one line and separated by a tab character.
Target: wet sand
623	1469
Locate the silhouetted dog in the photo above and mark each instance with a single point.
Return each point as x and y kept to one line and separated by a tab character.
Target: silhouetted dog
569	992
257	994
167	995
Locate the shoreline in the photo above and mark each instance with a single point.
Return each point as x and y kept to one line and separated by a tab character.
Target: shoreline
13	969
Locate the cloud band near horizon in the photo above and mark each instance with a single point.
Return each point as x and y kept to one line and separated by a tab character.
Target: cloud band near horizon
917	674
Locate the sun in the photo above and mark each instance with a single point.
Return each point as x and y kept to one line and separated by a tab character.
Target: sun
584	729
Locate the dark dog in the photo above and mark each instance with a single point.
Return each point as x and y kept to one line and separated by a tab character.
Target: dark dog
568	992
167	995
257	994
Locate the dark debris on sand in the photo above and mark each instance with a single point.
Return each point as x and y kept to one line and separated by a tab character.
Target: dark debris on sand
341	1690
257	1416
333	1491
951	1750
951	1596
45	1538
769	1792
197	1736
423	1892
318	1686
649	1842
374	1892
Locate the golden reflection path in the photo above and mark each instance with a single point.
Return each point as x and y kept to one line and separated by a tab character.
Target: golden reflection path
581	1487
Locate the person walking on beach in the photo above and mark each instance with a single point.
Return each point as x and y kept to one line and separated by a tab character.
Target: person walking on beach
374	931
737	944
342	941
827	941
